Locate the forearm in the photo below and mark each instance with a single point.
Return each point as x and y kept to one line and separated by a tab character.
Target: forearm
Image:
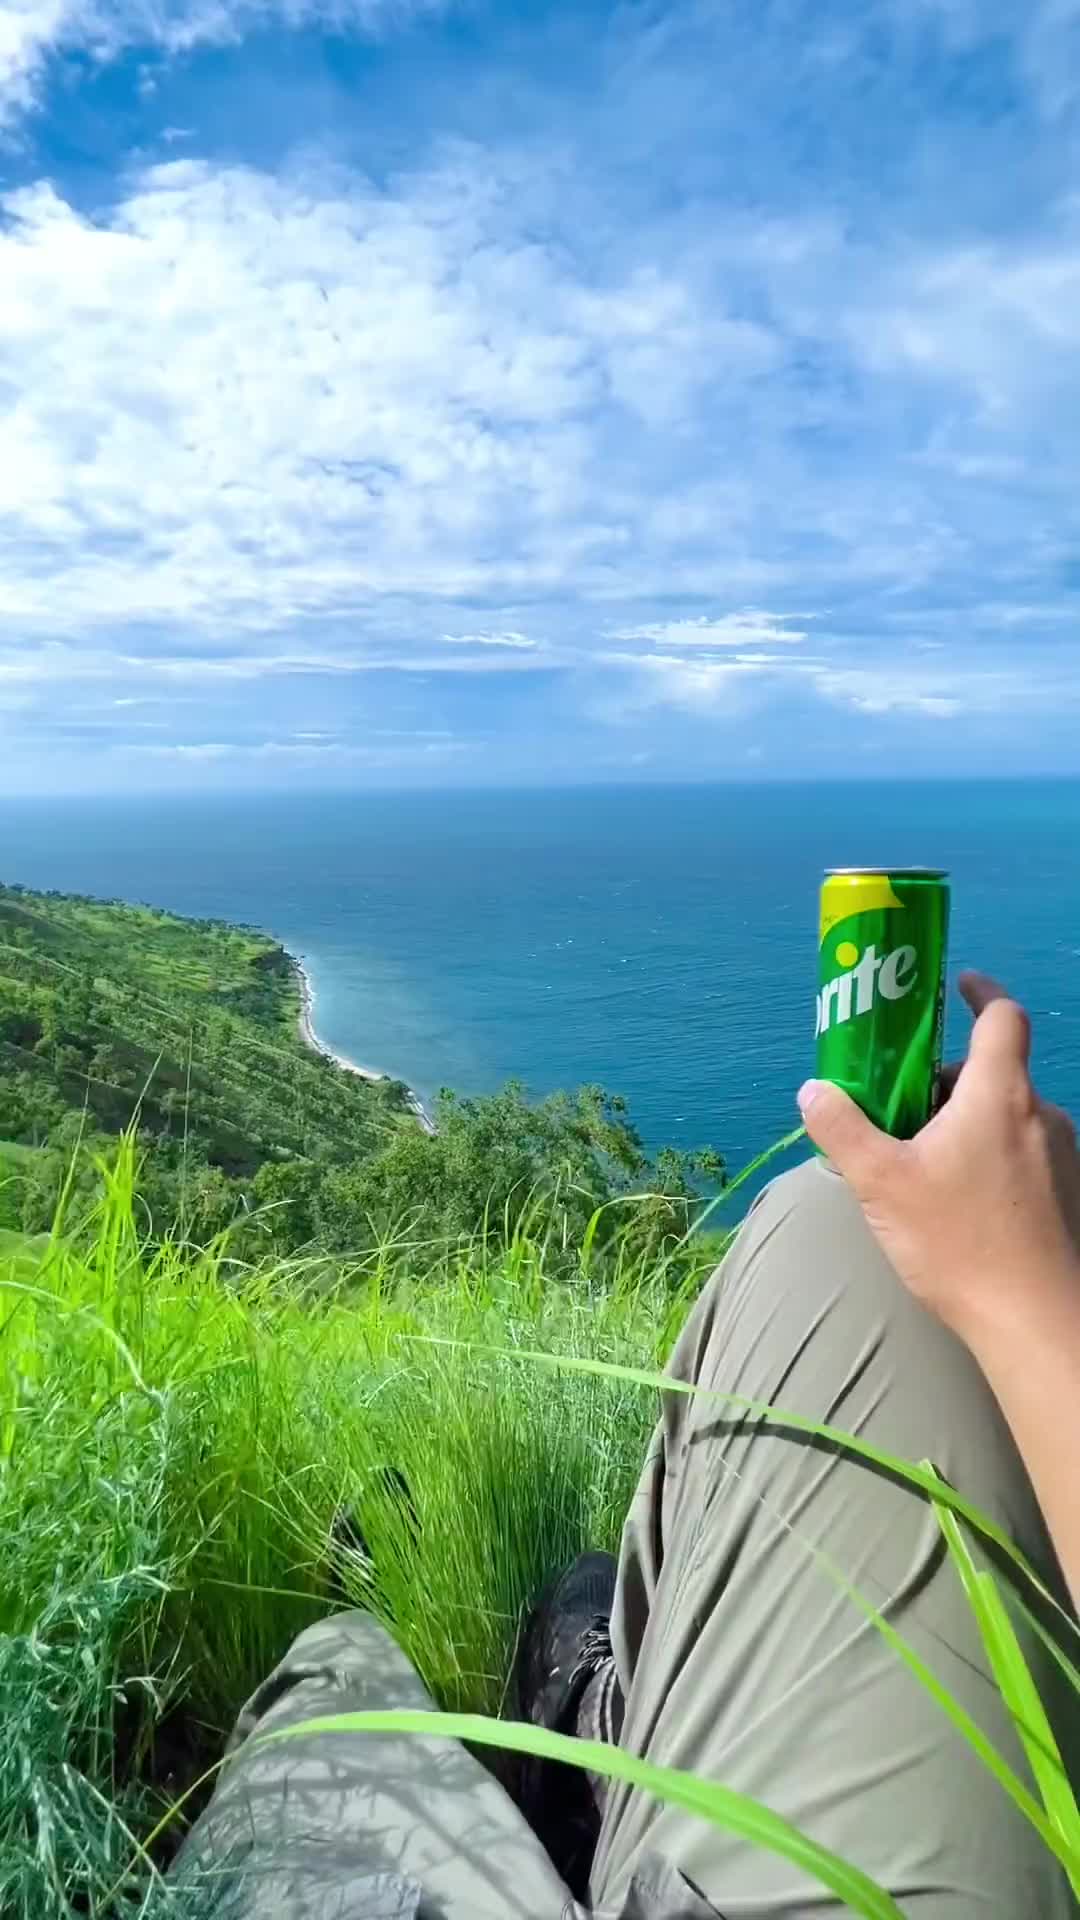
1034	1370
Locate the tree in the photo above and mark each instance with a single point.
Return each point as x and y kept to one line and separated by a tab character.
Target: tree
496	1160
285	1201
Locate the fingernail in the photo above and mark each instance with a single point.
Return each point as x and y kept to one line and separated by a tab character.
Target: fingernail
807	1094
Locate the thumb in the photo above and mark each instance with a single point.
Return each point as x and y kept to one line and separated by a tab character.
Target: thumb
857	1149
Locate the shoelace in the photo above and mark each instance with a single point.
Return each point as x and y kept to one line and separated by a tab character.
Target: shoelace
596	1650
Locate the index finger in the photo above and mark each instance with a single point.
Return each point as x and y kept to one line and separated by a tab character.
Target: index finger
1002	1030
979	989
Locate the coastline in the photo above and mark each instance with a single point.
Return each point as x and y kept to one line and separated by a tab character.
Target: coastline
311	1040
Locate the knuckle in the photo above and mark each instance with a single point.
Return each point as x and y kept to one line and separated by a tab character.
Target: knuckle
1014	1086
1020	1092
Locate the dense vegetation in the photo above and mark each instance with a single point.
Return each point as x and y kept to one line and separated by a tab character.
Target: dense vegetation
178	1432
114	1015
193	1450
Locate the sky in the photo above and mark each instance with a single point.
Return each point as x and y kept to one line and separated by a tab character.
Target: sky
406	392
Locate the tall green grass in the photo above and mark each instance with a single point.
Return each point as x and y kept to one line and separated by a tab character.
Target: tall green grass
178	1434
181	1438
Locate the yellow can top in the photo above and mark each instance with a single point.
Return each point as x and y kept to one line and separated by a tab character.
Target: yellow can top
854	890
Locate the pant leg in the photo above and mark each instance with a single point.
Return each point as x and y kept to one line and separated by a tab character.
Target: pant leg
339	1826
739	1657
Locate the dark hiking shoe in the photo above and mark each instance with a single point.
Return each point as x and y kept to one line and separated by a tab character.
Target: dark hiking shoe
564	1645
564	1642
385	1502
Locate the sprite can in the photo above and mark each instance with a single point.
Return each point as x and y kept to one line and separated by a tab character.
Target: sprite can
880	1004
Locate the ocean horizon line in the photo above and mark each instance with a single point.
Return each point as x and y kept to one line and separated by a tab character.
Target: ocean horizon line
665	782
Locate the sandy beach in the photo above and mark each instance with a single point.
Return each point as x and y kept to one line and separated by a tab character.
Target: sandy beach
311	1039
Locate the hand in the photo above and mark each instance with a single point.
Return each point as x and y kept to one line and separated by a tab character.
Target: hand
980	1213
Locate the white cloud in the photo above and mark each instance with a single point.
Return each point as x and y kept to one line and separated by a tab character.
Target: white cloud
56	665
509	638
242	401
27	29
30	30
657	339
923	683
649	680
747	629
301	747
1045	614
941	690
193	750
1000	318
876	691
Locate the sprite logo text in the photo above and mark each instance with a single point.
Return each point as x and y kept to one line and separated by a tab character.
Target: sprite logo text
888	976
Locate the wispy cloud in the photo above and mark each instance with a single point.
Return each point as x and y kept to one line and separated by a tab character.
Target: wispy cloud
747	629
1001	319
302	747
55	664
682	683
875	691
518	642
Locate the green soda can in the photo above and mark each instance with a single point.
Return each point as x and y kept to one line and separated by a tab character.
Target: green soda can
881	1001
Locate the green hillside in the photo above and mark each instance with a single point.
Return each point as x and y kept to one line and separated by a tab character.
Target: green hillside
117	1017
112	1013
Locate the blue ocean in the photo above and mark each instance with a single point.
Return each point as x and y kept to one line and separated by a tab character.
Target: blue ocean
661	941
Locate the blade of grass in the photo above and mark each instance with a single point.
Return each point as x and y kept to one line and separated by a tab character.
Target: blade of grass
1063	1846
721	1806
1016	1685
745	1173
760	1160
1039	1627
969	1730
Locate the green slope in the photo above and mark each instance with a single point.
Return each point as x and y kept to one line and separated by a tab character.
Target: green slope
110	1011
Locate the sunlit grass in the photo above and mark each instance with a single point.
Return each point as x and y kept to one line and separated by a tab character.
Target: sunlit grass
189	1444
178	1433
